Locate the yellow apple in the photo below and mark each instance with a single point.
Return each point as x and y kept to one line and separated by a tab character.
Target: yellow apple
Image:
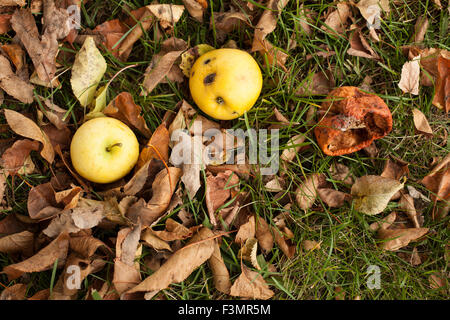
225	83
104	150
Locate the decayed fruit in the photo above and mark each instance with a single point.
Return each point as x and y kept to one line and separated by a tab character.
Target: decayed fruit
225	83
353	120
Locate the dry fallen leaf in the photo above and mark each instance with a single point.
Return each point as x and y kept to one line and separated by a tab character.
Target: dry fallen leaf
317	83
249	251
394	239
263	235
221	276
359	46
17	242
306	193
420	29
156	73
181	264
294	145
167	14
43	260
124	109
42	50
371	194
112	32
438	180
87	71
421	123
333	198
126	271
442	89
141	19
337	19
13	158
409	80
283	236
27	128
196	8
218	190
163	188
311	245
13	85
251	285
156	148
153	241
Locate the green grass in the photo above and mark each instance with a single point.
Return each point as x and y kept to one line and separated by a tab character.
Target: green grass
348	247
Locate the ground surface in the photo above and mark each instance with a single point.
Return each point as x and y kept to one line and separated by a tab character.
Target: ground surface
347	246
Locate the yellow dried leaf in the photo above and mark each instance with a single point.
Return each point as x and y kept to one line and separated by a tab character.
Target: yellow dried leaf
87	71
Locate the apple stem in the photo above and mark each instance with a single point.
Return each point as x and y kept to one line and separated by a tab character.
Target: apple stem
119	144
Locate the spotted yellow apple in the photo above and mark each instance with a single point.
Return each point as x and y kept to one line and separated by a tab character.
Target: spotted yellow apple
225	83
104	150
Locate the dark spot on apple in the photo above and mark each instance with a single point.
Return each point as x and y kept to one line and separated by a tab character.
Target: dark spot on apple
209	79
220	100
207	61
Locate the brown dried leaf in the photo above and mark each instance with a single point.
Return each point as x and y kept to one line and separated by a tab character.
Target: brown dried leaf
153	241
154	75
394	239
145	20
420	29
438	180
319	83
13	85
384	223
43	260
181	264
406	203
42	50
333	198
143	177
13	158
226	22
442	90
14	292
26	127
263	234
294	145
283	235
421	123
246	231
112	32
124	109
17	242
218	191
251	284
221	276
337	19
311	245
409	80
167	14
196	8
163	188
41	202
174	231
359	46
267	22
249	251
156	148
306	193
